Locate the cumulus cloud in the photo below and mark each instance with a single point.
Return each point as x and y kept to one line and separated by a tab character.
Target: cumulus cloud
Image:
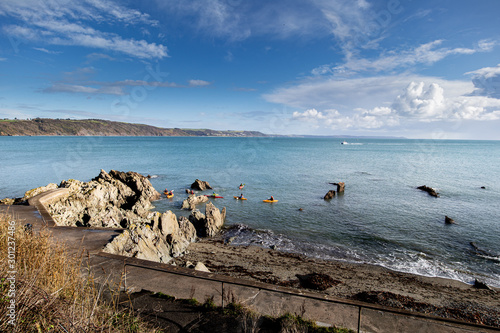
486	81
63	22
417	103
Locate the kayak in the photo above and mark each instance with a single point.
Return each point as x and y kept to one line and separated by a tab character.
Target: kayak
241	186
238	198
270	200
170	196
214	196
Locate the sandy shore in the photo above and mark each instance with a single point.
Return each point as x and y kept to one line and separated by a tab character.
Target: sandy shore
438	296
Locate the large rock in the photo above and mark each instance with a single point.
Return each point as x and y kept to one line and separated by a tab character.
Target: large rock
200	185
160	240
210	223
193	200
113	200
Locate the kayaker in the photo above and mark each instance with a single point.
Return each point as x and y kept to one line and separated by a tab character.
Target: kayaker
241	196
271	198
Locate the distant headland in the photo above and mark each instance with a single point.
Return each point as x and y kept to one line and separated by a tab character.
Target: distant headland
99	127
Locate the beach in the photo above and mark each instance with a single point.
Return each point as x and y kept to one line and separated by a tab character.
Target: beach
370	283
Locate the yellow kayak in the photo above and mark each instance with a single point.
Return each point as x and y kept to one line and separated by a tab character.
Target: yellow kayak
238	198
270	200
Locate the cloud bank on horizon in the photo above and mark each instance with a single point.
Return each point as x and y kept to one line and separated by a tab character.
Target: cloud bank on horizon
392	67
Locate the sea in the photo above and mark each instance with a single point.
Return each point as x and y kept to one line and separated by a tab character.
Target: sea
381	218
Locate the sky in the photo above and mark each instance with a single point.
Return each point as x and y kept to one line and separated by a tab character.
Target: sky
418	69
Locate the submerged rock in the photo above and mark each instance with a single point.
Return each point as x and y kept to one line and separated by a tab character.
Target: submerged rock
449	220
329	195
429	190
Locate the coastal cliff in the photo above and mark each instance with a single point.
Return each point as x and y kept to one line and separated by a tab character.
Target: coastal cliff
98	127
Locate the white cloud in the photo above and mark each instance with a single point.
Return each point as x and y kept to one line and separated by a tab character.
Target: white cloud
198	83
361	119
428	53
73	88
418	102
63	22
347	94
237	20
41	49
486	81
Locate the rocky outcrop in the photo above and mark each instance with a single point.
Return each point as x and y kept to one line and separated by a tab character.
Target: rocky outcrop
7	201
160	240
329	195
164	237
28	195
210	223
200	185
430	190
193	200
111	200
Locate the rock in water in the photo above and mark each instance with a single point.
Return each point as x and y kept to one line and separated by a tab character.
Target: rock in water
340	187
200	185
449	220
429	190
329	195
191	201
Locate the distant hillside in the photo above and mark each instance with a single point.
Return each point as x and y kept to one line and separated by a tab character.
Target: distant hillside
97	127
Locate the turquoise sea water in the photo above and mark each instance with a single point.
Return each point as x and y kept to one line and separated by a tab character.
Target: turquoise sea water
381	218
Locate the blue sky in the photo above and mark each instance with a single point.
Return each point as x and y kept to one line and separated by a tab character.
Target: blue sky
419	69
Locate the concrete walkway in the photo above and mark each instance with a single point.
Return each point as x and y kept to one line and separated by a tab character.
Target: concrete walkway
134	275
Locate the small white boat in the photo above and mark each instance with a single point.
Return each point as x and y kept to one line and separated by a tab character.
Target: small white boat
344	143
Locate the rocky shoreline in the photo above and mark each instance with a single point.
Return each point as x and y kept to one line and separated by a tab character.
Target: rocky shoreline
369	283
124	200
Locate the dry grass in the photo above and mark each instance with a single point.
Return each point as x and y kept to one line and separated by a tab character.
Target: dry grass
51	293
